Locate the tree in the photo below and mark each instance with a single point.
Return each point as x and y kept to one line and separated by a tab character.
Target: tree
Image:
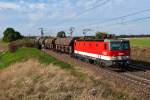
11	35
61	34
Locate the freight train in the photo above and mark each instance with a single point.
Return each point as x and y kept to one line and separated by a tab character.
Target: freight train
107	52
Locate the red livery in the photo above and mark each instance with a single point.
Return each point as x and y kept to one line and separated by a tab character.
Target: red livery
108	52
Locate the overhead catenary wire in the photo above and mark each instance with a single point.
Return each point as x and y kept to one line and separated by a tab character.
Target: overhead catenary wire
126	22
85	11
121	17
129	21
111	19
139	19
94	7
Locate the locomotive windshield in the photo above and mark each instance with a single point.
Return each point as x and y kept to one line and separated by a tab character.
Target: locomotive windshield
119	45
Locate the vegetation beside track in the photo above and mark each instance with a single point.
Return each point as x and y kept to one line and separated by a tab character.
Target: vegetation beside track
140	41
31	80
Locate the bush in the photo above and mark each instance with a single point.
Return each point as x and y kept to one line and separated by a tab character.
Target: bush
22	43
12	48
11	35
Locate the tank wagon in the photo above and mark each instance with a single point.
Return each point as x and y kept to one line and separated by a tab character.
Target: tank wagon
106	52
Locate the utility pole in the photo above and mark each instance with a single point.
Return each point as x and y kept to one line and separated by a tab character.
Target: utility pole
42	31
71	31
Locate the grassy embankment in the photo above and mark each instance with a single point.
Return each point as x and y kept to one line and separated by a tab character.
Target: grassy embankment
140	41
23	54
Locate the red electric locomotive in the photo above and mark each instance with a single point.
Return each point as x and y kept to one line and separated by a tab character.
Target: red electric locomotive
107	51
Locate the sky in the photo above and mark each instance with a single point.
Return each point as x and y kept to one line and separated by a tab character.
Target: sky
27	16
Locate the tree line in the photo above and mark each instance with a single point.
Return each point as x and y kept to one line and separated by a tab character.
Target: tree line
133	36
11	35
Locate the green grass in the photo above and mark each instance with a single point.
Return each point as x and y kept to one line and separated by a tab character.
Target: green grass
140	42
23	54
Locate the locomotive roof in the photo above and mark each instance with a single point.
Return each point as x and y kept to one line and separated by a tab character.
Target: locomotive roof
116	40
90	40
103	40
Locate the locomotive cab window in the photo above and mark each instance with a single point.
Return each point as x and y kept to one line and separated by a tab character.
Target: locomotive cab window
119	45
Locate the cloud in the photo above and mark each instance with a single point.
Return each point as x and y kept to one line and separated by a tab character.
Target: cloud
39	6
7	5
22	6
36	16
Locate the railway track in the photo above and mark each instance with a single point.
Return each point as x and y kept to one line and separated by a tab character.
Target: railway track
128	77
140	67
139	80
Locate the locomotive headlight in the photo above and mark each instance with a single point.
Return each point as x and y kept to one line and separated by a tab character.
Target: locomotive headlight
114	58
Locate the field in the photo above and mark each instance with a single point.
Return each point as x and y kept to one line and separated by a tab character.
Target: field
140	46
140	41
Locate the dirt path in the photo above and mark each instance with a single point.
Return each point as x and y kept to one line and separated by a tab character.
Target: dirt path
2	47
141	91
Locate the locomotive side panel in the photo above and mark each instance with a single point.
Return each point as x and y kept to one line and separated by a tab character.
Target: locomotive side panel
86	49
90	49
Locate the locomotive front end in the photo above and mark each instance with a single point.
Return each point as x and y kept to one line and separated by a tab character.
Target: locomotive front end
119	52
